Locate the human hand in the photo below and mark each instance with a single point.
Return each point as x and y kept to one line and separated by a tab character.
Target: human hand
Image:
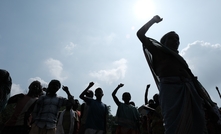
65	88
157	19
91	84
120	85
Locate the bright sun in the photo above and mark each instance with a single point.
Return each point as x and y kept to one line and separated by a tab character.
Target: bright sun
144	9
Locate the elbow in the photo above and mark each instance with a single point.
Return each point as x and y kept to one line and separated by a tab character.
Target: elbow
112	94
140	36
81	96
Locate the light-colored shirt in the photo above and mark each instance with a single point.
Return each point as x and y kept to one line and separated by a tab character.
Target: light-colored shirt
46	110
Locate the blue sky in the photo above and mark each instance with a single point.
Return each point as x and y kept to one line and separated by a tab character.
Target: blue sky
78	42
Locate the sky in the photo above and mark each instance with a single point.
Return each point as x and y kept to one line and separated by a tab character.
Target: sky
78	42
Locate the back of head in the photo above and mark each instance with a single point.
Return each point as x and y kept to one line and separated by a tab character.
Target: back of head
156	97
90	94
151	101
76	105
132	103
69	105
126	97
35	89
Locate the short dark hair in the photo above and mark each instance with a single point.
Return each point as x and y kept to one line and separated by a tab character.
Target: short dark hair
126	94
98	89
53	82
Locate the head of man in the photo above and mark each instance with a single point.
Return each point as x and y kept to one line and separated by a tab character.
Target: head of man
53	87
126	97
76	105
35	89
156	98
99	93
90	94
132	103
171	40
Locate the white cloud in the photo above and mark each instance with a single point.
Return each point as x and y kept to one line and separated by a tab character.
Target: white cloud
117	72
16	89
56	69
69	48
204	60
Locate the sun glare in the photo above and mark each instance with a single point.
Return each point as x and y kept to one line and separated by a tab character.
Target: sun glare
144	9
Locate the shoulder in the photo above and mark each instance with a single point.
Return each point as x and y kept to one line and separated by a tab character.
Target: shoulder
16	98
61	98
88	100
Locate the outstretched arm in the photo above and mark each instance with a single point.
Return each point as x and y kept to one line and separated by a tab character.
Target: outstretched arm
142	31
116	100
146	94
82	95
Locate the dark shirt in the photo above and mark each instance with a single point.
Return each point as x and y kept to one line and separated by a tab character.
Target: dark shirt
96	118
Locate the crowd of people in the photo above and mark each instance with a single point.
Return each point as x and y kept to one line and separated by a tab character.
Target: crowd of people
43	112
182	106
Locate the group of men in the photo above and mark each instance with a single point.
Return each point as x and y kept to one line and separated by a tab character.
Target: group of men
40	113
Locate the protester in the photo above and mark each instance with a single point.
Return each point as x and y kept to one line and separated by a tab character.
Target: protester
127	117
66	120
77	117
84	111
180	92
47	108
96	122
19	122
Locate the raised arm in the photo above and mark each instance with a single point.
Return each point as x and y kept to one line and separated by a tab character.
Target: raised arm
65	88
146	94
70	97
142	31
82	95
116	100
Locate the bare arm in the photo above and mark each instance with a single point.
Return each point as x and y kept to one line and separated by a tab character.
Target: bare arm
65	88
146	94
116	100
82	95
142	31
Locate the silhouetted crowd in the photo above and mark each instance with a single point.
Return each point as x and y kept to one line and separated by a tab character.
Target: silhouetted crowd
182	106
41	111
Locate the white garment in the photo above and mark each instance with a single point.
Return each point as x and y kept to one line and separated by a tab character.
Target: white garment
60	129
